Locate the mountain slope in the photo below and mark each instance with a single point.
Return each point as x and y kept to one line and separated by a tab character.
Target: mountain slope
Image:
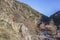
56	18
18	21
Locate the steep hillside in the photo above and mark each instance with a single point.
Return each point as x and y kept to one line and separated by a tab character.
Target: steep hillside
56	19
18	21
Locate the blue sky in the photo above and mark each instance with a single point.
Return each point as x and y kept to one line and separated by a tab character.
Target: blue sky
46	7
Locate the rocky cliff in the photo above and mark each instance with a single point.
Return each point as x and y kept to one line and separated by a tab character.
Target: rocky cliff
18	21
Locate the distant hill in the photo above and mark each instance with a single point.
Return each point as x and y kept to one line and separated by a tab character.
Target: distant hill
56	18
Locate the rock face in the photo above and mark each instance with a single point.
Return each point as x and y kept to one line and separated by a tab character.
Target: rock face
19	21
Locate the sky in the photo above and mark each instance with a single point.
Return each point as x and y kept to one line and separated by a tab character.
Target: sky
46	7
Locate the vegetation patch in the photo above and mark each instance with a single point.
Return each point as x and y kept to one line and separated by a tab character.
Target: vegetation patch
32	17
35	13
